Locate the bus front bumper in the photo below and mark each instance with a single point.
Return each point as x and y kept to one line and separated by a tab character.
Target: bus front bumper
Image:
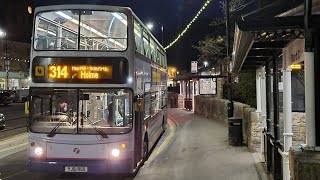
92	166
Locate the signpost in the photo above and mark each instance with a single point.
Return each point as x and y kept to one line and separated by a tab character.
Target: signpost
194	67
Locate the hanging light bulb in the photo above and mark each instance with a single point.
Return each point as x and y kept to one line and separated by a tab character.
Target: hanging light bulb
29	9
190	23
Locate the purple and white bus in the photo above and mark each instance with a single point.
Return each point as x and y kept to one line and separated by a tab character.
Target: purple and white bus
98	95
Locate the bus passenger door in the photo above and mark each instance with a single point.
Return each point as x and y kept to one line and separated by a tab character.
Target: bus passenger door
138	128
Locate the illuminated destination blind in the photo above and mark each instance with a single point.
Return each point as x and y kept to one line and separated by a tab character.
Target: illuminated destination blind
56	71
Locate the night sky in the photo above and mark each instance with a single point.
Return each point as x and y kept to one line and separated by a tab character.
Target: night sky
173	14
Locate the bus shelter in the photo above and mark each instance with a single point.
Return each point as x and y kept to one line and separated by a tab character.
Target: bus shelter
282	51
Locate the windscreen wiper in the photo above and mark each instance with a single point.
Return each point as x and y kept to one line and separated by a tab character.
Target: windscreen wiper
104	135
53	131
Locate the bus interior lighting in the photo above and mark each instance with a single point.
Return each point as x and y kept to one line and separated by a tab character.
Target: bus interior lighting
120	18
92	29
64	15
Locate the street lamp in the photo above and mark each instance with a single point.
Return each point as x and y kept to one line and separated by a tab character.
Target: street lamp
205	63
150	27
6	61
29	9
2	33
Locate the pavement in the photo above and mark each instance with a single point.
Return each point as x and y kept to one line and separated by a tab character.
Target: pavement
199	149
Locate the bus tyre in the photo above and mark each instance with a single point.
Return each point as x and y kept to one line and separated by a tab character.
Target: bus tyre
145	151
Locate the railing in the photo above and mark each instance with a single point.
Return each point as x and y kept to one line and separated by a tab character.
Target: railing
272	156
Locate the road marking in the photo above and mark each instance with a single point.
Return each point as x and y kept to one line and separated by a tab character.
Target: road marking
165	143
13	175
13	147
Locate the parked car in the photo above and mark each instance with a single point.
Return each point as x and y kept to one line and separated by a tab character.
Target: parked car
2	121
20	95
5	98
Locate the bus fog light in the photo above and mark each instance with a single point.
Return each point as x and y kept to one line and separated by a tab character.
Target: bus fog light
115	152
38	151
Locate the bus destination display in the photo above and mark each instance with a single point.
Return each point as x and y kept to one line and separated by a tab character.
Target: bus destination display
94	72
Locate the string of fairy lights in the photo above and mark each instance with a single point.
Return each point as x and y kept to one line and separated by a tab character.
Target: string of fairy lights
15	59
189	25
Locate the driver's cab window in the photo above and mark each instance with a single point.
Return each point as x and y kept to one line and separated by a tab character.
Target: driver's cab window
41	105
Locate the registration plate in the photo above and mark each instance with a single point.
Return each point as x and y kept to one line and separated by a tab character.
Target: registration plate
75	169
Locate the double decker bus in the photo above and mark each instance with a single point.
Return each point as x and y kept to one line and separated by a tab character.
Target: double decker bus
98	91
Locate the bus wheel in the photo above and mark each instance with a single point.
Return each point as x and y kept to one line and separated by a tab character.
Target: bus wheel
145	151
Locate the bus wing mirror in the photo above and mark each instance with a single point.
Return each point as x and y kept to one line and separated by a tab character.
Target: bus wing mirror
26	108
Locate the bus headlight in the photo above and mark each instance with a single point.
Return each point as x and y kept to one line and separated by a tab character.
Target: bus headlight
115	152
38	151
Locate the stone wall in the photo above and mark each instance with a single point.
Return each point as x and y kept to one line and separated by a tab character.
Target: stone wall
220	83
181	101
304	165
210	107
216	109
254	130
298	128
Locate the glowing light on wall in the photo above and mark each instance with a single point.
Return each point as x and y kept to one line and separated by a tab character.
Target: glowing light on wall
295	66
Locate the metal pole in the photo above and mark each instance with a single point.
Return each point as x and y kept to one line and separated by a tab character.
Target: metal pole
263	109
316	87
268	113
309	77
258	89
309	99
230	103
277	156
287	110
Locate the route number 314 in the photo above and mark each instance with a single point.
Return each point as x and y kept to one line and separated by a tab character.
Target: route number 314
57	72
